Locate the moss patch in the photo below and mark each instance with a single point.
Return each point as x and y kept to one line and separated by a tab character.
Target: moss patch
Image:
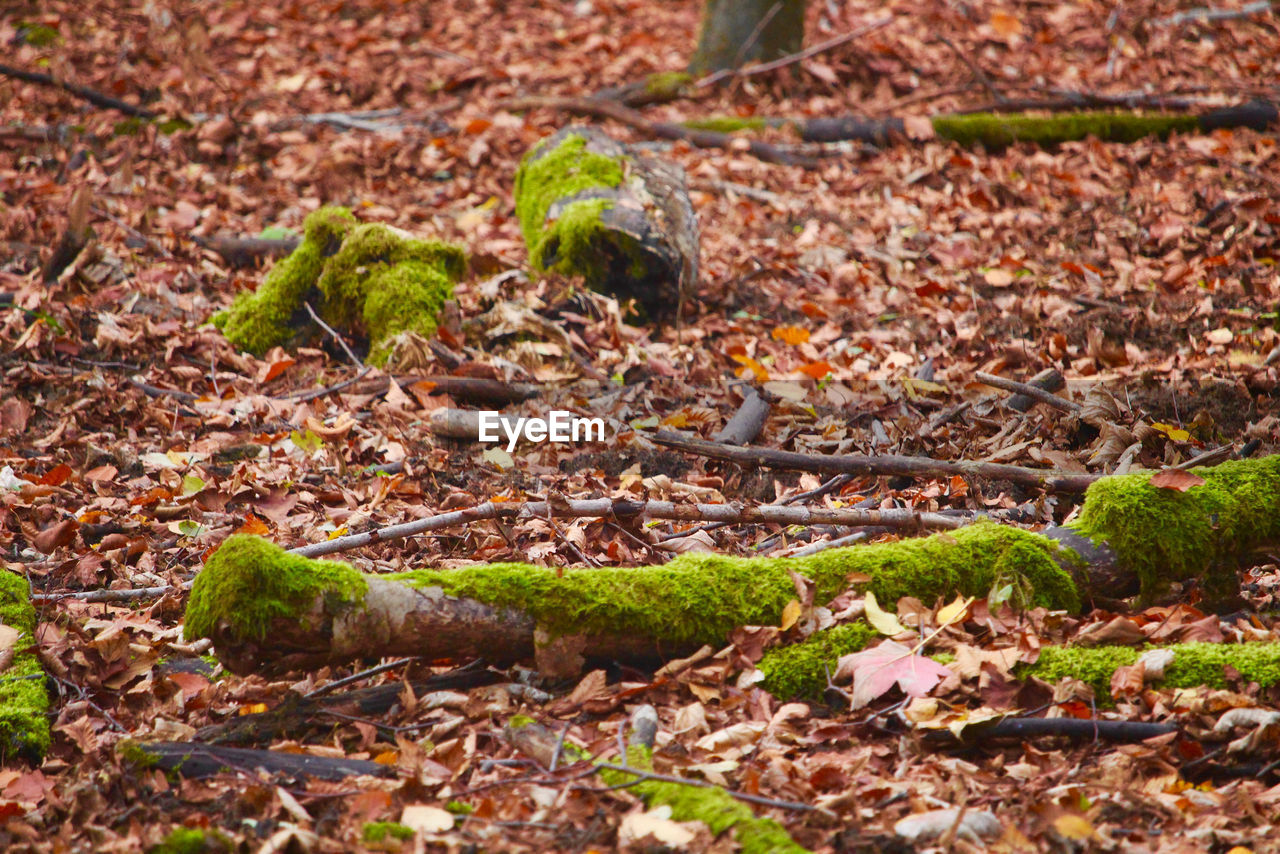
24	702
248	582
570	242
1194	664
383	831
803	669
666	85
1165	535
190	840
997	131
726	124
712	806
367	280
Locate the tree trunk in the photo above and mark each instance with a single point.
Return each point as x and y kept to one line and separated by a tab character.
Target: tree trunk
735	32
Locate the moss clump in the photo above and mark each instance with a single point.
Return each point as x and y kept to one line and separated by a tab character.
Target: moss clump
803	669
664	86
190	840
248	582
24	702
1165	535
381	831
365	279
1194	665
726	124
997	131
556	177
712	806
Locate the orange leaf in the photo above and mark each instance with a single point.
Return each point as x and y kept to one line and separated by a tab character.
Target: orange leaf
792	335
750	364
817	370
1005	25
1178	480
478	126
56	476
278	368
254	525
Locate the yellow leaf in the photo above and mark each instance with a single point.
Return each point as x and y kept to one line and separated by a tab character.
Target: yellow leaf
792	335
253	709
1073	826
955	612
882	621
1174	433
387	757
790	614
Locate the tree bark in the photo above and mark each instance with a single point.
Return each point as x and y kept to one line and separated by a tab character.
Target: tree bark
735	32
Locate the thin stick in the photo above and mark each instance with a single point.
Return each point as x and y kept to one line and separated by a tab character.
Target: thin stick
1029	390
356	677
109	595
83	92
608	508
792	59
342	342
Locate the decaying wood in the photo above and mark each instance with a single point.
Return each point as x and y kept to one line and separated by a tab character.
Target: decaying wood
748	421
242	252
197	761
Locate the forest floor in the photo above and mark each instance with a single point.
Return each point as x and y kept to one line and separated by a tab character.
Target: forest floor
864	294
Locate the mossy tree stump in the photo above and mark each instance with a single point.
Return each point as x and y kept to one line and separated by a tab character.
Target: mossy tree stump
735	32
590	207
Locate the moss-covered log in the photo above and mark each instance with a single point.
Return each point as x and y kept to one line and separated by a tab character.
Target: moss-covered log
24	702
370	281
998	130
589	207
264	607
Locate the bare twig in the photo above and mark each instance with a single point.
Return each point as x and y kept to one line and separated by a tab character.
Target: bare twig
1204	13
342	342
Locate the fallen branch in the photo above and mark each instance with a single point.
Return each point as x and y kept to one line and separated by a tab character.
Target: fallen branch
663	130
609	508
879	465
83	92
1028	390
748	421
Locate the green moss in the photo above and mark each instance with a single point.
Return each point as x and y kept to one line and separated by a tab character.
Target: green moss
130	751
996	131
711	806
1165	535
367	279
271	315
726	124
694	599
24	702
380	831
36	35
547	177
666	85
190	840
1194	665
700	598
248	582
803	669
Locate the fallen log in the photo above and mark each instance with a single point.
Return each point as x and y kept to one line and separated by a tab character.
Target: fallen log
588	206
265	609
